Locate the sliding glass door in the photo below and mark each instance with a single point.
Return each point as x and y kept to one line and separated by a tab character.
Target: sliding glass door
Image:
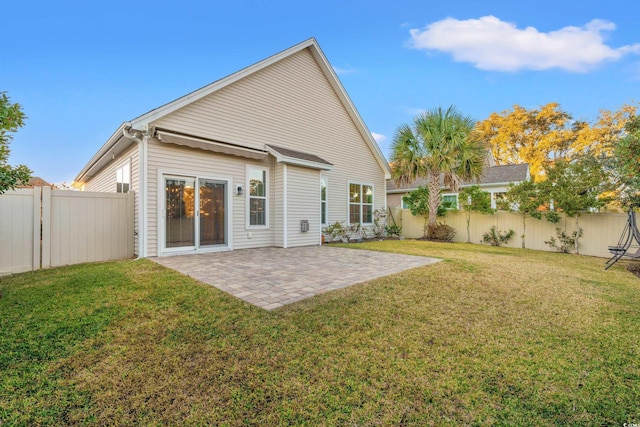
195	213
212	212
180	213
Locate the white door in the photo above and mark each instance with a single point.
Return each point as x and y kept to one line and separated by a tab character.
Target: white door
195	213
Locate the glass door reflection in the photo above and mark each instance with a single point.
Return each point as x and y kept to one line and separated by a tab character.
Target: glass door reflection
212	212
180	212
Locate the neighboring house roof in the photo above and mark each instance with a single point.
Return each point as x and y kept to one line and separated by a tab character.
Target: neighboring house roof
119	141
35	181
503	174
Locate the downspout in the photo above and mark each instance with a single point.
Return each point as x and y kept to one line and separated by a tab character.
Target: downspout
285	234
142	191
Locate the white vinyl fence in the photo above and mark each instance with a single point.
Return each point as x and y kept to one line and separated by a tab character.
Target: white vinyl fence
42	228
600	230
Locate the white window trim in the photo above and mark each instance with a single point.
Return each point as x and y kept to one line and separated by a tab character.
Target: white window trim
248	225
373	201
402	201
127	162
326	200
494	200
162	173
451	194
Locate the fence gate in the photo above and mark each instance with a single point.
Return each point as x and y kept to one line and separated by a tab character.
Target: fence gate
42	228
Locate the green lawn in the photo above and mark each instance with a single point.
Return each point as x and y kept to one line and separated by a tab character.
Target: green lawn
489	336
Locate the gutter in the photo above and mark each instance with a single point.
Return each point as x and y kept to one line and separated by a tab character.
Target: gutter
408	190
103	151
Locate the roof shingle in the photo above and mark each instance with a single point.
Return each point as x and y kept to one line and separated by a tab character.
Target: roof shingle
493	175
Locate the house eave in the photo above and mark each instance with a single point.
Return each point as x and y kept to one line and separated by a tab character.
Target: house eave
115	145
303	163
185	100
153	115
484	185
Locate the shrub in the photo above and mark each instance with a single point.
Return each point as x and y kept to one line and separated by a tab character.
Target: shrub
393	230
332	231
497	237
379	223
440	231
340	231
566	242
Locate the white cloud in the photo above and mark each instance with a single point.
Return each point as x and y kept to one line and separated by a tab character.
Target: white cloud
380	138
346	70
492	44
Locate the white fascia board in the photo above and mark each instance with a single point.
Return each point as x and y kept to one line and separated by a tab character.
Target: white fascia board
492	184
298	162
172	106
103	151
327	69
351	109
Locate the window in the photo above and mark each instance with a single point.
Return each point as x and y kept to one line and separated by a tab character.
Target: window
360	203
257	196
499	200
323	200
450	201
123	178
405	204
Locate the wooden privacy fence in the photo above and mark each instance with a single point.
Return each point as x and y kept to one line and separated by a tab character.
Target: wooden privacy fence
599	230
42	228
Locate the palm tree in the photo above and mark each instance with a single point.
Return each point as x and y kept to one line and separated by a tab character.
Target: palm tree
438	142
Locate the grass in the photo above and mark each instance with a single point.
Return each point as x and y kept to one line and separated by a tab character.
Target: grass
490	336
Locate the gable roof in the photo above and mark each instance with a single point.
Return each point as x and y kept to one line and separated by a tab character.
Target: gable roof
142	122
503	174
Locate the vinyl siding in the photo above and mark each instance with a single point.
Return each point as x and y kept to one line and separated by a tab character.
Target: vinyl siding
278	204
181	161
303	187
289	104
105	181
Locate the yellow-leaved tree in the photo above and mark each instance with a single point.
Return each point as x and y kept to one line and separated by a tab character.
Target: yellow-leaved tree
543	135
528	136
600	138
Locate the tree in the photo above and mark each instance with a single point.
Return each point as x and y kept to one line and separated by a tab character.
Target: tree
11	119
528	136
547	134
574	187
524	199
418	203
626	163
473	199
438	142
600	138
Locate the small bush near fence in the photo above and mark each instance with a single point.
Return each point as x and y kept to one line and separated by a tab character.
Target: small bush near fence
441	232
601	229
497	237
566	242
393	230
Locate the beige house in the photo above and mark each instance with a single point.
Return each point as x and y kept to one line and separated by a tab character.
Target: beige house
264	157
496	181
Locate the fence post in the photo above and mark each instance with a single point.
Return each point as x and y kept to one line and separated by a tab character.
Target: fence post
46	227
37	191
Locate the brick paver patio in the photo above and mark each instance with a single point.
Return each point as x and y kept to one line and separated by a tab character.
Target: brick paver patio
273	277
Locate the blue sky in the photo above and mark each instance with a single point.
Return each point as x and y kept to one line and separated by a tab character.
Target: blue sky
81	68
